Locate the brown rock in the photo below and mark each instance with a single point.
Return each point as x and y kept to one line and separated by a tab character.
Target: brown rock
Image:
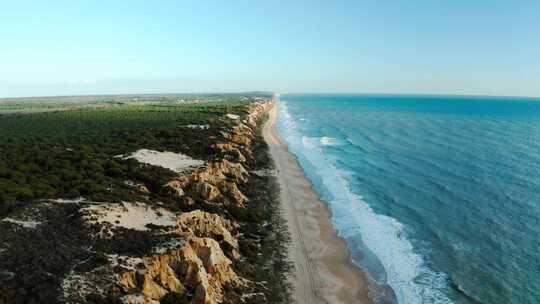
170	281
232	190
237	155
203	224
207	191
128	281
235	170
218	171
224	147
142	188
198	262
152	289
174	188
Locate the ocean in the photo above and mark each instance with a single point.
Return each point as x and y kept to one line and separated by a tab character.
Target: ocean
438	197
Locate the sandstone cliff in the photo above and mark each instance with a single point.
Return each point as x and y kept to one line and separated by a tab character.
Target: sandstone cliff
200	264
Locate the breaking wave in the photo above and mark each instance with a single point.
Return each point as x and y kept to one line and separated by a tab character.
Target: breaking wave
405	271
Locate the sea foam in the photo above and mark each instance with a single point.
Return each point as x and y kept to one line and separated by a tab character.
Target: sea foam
406	271
330	141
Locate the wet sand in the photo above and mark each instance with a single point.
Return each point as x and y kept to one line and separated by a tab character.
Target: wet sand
323	270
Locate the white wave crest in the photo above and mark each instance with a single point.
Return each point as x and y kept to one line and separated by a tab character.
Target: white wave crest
330	141
407	273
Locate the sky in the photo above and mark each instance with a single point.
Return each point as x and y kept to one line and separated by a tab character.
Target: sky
474	47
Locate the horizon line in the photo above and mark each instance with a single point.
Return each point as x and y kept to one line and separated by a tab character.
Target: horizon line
408	94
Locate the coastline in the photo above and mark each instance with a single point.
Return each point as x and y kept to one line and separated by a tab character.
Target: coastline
323	270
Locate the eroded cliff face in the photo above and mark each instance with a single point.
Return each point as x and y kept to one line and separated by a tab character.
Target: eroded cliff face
196	269
199	267
218	181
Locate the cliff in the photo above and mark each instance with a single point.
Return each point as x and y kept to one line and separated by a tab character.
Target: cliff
200	264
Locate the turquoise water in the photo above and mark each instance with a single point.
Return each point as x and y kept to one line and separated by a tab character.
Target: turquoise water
437	197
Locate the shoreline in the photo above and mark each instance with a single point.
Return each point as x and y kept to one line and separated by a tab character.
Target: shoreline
323	270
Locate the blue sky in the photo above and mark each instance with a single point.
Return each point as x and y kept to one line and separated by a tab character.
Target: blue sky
365	46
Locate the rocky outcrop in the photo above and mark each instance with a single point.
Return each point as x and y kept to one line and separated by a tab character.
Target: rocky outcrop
212	173
241	135
207	191
204	224
198	266
222	177
220	171
142	188
256	111
232	152
214	183
232	191
174	188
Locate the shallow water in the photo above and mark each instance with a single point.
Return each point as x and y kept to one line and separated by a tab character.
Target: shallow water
437	197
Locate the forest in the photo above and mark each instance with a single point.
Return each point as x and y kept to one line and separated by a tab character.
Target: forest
76	152
67	154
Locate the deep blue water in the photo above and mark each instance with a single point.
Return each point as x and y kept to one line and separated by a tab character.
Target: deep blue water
437	197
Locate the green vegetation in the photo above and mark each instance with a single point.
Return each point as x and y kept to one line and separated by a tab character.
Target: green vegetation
72	153
45	104
269	262
67	154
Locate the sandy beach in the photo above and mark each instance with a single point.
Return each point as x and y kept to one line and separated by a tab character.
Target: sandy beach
323	271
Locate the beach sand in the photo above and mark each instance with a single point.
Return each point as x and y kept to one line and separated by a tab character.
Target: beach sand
323	270
173	161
